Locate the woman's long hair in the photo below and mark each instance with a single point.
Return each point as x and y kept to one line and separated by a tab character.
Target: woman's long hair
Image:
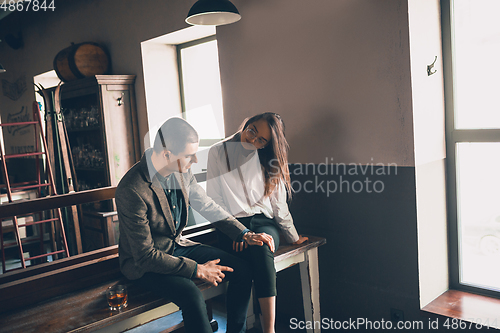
274	156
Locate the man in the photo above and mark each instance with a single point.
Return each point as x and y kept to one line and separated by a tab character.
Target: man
153	200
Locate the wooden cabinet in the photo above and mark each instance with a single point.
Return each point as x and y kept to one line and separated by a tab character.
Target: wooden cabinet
101	122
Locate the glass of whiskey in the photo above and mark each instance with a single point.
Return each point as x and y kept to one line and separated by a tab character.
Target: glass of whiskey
117	297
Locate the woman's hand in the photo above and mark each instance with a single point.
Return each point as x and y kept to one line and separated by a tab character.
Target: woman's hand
301	240
259	239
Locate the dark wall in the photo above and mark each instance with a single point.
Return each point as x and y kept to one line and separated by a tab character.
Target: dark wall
369	264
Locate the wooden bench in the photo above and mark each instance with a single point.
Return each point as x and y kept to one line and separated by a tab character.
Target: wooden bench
68	295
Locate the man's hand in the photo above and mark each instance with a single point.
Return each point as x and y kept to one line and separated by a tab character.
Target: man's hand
259	239
211	272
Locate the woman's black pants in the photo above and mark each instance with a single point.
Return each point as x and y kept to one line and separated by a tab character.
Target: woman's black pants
260	257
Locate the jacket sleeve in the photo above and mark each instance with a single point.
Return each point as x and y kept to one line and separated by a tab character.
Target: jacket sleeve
138	241
282	214
206	206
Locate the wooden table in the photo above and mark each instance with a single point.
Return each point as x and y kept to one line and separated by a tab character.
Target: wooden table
306	255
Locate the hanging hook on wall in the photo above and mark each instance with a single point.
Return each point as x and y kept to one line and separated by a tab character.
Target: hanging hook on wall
431	66
120	100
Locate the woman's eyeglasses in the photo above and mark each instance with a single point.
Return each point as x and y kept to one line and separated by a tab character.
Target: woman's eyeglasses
259	142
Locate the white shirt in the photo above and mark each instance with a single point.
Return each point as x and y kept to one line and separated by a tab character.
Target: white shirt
227	189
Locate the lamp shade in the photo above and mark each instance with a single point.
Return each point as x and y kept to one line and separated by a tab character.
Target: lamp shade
213	12
2	70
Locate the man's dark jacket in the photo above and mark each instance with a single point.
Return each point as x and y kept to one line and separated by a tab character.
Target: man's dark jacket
147	229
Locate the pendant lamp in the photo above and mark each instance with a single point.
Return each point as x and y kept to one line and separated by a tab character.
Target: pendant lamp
2	70
213	12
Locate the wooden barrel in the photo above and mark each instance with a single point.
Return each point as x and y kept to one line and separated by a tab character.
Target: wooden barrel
80	61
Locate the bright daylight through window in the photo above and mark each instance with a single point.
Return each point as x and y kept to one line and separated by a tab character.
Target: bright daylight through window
475	140
201	89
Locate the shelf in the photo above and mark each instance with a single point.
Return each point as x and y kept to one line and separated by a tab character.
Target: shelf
84	129
10	243
111	142
100	169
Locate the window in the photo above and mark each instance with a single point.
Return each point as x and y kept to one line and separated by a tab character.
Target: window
200	88
181	78
471	39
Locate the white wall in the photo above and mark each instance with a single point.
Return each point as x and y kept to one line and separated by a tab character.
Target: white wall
430	153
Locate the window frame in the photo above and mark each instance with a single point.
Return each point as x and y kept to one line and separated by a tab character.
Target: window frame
454	136
179	48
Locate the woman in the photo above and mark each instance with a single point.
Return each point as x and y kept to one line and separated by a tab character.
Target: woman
248	175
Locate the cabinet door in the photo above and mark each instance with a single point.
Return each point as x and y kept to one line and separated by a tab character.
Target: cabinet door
83	119
119	130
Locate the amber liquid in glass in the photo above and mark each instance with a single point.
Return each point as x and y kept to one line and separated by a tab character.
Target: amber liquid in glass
117	300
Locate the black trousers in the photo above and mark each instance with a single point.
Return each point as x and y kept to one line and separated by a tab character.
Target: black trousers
260	257
186	295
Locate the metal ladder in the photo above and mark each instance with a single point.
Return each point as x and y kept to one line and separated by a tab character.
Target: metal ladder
37	184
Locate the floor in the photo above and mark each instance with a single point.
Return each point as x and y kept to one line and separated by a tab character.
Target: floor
219	315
